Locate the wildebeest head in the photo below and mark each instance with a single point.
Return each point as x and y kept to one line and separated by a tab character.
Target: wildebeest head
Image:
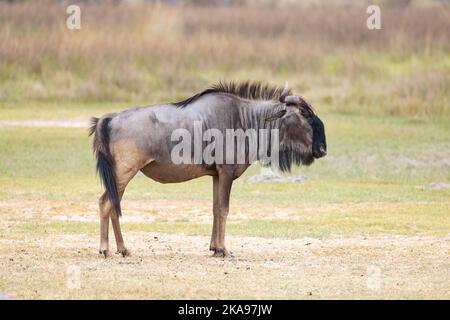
302	133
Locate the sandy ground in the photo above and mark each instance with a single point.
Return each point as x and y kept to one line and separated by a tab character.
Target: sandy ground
49	264
179	266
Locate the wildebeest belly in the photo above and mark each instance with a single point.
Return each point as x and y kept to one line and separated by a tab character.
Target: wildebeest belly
172	173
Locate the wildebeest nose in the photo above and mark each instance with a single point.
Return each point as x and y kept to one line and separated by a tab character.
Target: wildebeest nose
319	152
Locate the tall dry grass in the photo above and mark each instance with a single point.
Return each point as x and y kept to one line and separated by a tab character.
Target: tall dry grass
147	53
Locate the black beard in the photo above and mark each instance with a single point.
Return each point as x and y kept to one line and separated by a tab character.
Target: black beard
289	156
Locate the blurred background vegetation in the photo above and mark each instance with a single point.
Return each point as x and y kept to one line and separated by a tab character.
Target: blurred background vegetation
383	94
143	52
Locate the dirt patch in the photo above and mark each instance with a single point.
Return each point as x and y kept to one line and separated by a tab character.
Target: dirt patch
179	266
194	211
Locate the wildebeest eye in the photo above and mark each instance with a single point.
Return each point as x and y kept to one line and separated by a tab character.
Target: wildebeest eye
306	110
306	113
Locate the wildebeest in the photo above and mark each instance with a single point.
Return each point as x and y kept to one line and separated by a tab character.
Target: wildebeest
140	139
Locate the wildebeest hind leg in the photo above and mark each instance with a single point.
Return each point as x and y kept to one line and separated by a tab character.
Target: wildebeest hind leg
123	175
105	209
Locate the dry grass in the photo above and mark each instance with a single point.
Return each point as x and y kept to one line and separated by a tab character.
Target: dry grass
177	267
40	252
151	53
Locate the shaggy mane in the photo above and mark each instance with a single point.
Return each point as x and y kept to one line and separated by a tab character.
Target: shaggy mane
252	90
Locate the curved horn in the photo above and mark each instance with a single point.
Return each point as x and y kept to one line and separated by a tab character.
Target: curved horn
292	100
285	91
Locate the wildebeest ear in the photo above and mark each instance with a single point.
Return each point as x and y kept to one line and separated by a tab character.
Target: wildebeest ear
277	115
306	112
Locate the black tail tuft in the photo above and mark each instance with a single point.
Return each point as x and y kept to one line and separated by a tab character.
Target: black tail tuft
105	162
105	170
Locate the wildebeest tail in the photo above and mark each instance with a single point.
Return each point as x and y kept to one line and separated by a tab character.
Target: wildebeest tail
105	162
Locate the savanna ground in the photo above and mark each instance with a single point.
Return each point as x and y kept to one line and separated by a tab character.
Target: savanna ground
370	220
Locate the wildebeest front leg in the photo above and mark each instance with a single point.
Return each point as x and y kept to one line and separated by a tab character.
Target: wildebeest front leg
224	190
216	219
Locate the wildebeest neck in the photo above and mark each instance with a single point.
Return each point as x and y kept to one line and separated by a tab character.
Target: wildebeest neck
254	115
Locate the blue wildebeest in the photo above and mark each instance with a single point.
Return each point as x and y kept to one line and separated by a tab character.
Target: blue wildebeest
142	139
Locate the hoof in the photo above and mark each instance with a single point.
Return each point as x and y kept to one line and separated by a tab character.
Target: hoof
105	253
220	253
124	252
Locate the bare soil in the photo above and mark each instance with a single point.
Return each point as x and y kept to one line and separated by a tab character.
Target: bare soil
40	264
